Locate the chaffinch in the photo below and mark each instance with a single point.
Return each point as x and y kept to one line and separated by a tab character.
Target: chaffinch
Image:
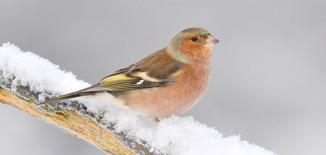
169	81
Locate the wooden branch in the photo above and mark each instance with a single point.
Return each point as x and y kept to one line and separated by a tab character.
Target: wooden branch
74	118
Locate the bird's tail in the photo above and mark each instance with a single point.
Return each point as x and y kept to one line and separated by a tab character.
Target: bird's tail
61	98
84	92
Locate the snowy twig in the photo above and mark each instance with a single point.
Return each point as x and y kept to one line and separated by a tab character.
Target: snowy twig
73	122
74	119
26	79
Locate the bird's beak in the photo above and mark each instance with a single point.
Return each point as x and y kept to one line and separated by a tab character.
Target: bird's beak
211	41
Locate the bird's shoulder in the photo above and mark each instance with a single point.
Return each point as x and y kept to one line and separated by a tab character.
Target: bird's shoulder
159	65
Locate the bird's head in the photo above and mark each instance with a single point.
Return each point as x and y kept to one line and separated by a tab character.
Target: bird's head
192	45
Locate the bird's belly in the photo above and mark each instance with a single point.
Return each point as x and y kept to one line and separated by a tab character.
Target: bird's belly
166	101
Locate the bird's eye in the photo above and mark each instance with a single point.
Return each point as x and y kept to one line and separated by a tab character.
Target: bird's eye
194	39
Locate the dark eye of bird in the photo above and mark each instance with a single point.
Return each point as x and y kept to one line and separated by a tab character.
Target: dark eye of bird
194	39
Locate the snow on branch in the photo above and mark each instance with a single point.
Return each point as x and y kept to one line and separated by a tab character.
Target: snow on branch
26	79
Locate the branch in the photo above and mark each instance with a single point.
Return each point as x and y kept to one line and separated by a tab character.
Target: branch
26	79
74	119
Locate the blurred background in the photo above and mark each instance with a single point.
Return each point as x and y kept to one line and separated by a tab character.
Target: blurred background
268	80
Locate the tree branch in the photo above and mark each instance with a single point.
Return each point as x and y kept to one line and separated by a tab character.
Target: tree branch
74	119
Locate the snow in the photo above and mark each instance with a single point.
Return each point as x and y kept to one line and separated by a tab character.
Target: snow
174	135
39	73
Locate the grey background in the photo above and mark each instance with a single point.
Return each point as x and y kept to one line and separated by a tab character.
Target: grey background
268	80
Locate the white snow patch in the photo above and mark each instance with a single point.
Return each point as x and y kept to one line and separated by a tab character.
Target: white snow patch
39	73
175	135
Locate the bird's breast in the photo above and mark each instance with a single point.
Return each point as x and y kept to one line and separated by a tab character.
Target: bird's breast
187	87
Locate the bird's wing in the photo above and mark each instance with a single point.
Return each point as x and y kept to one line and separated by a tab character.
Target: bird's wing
153	71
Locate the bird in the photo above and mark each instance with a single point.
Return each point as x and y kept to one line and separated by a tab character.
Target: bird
168	82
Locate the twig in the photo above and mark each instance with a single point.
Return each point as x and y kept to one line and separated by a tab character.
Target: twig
74	118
